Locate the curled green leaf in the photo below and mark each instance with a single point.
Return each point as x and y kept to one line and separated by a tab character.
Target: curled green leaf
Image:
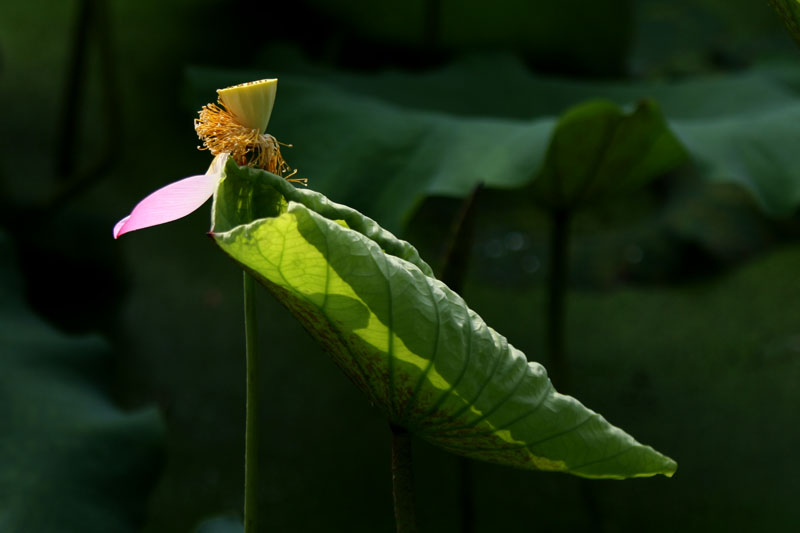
597	151
412	345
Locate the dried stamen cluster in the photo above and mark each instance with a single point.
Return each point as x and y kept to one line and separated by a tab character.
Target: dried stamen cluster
221	132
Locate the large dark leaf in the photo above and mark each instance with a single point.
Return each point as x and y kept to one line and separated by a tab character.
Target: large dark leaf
545	33
380	143
70	460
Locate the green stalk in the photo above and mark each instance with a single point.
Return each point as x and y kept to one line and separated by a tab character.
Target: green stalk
557	297
403	481
251	423
556	332
453	272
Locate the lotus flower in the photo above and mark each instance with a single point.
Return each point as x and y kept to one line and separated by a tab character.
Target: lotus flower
236	128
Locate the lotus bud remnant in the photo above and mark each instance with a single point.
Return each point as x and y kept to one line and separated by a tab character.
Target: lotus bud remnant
234	127
237	125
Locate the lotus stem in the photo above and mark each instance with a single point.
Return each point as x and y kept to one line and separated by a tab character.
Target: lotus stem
557	297
453	272
251	421
403	481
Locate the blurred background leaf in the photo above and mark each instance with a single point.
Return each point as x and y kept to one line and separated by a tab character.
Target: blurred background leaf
222	524
392	149
71	460
789	11
597	152
682	295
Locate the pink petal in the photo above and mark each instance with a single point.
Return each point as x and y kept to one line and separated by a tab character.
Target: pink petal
173	201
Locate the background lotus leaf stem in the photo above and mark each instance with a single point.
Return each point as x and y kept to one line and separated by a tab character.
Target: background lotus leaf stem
557	297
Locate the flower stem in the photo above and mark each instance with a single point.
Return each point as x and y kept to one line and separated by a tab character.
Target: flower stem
403	481
557	297
251	422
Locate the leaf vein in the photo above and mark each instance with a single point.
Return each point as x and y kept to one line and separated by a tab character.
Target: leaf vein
423	376
467	358
484	415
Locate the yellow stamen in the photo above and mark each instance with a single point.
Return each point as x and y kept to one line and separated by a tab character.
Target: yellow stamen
237	125
222	133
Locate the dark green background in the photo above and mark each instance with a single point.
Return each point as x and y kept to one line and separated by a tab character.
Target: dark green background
684	322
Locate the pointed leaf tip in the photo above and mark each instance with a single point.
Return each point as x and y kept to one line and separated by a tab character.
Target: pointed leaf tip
416	350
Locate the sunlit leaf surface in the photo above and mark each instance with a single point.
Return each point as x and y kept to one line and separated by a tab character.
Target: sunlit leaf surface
407	341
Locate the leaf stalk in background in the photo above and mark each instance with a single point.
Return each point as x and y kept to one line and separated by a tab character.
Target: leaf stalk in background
453	272
557	297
